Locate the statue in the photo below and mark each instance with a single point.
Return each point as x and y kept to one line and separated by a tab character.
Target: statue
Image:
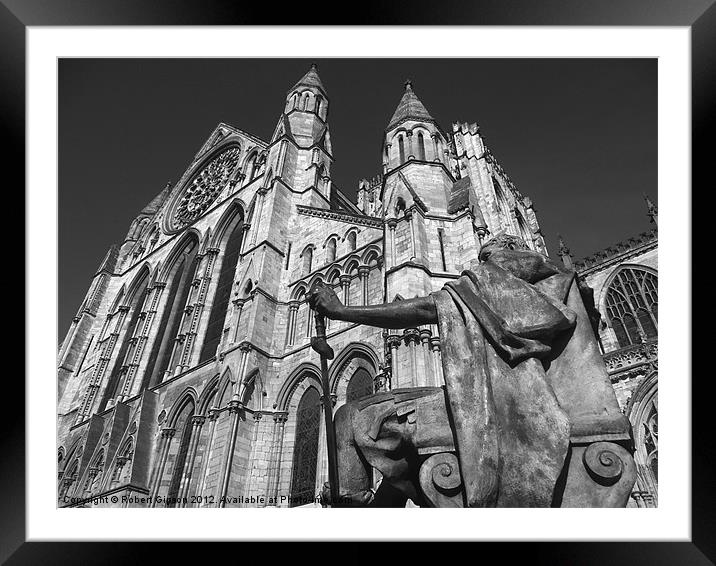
527	416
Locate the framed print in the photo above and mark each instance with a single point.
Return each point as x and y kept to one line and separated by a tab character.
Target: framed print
374	271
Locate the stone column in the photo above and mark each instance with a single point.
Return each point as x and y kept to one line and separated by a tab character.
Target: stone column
394	342
197	422
274	472
213	416
234	408
164	444
436	150
309	322
425	335
409	218
291	326
364	274
409	135
346	284
392	223
437	361
252	456
411	337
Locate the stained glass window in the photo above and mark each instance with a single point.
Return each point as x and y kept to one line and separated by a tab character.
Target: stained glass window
222	295
632	302
180	461
305	451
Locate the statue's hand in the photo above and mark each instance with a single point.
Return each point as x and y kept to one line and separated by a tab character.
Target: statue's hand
324	301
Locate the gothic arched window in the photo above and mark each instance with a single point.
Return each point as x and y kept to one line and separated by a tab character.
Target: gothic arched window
318	105
421	147
222	295
360	385
180	278
632	301
401	150
351	239
184	423
305	451
331	251
307	260
136	305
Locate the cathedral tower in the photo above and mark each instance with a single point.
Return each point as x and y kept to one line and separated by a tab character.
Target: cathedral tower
304	140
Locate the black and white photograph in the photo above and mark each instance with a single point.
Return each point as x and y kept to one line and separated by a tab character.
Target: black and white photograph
295	277
357	282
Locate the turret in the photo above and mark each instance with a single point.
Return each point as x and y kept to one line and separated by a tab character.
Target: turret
301	143
412	133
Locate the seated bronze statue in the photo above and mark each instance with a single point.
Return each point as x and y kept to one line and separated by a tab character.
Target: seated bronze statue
527	416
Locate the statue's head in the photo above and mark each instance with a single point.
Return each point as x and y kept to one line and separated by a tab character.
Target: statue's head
501	242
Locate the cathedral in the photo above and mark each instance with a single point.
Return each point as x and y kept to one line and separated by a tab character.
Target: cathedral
187	377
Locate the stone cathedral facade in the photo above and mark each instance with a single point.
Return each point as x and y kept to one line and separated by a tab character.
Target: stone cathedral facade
187	378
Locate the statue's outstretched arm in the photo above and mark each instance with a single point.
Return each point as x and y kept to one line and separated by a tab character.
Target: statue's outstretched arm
398	314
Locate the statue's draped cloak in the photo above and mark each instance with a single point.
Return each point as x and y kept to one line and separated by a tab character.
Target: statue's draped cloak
498	325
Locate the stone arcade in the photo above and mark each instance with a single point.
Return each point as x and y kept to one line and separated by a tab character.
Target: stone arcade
187	378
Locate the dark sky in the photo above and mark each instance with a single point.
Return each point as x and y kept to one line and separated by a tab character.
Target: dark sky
578	136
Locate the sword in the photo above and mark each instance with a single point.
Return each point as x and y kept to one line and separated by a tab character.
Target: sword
320	345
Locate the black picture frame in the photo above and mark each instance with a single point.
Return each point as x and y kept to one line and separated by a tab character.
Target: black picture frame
699	15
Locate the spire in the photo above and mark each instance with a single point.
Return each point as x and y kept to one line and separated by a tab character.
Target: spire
564	253
409	108
158	200
651	210
311	79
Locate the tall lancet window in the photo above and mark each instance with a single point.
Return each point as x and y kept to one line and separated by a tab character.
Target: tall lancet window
421	147
222	296
180	280
401	150
136	303
184	425
305	451
632	302
331	251
307	260
351	239
318	106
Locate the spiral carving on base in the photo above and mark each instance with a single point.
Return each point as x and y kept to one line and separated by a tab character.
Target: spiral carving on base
441	481
603	463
